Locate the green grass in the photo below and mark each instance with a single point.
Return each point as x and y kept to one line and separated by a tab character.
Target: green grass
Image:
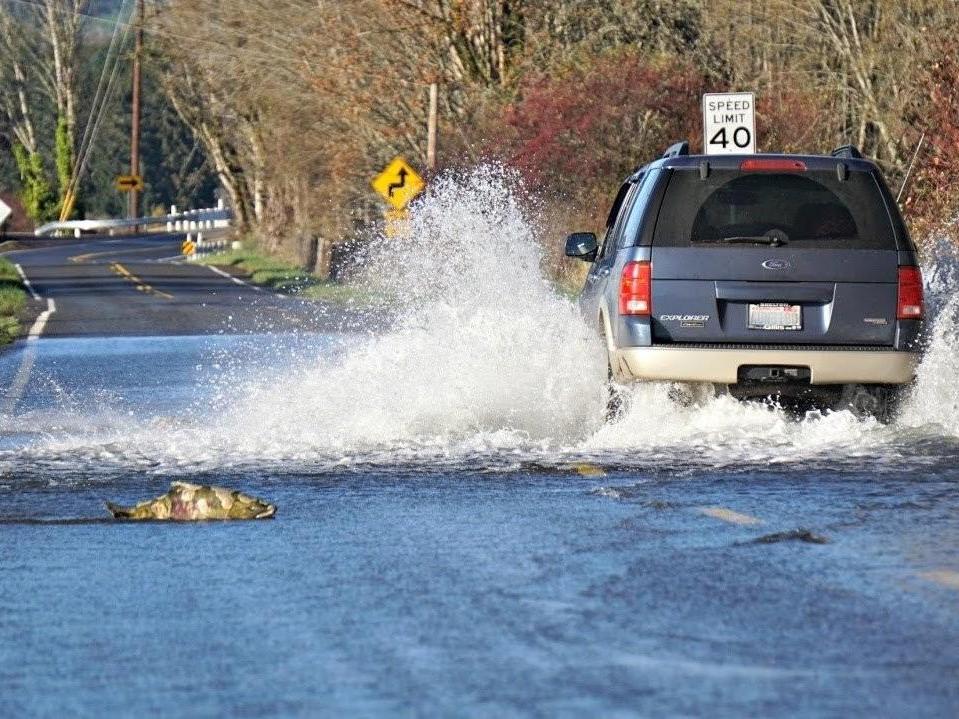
280	276
13	298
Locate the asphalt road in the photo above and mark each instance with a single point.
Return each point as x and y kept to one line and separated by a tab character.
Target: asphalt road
140	286
455	535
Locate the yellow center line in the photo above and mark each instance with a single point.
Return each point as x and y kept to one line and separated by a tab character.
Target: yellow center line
89	256
728	515
80	259
140	284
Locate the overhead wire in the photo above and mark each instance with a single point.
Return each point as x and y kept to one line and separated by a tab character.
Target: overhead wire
108	96
222	46
101	100
111	50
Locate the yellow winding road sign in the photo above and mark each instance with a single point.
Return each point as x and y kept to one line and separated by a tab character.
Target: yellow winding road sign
398	183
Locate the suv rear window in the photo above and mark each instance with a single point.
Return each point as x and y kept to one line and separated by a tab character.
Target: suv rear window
803	209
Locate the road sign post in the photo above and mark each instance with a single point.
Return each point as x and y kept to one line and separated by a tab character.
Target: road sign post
397	223
729	123
431	128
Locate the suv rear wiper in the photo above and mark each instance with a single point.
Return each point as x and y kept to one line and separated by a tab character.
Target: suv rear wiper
773	237
746	239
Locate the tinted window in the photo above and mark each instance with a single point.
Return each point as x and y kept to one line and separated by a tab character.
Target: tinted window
639	211
808	209
617	203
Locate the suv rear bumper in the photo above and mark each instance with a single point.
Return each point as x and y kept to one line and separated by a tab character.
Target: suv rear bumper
695	364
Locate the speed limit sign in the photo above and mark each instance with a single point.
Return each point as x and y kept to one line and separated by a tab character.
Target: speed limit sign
729	123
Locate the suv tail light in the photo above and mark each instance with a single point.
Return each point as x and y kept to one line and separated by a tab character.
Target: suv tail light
910	294
635	289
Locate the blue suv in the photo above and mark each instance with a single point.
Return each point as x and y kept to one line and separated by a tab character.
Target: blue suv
784	276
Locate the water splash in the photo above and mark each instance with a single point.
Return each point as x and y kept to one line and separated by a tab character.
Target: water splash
934	400
489	367
483	346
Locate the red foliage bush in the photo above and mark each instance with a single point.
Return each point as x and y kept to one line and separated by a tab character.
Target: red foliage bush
790	120
585	130
582	132
932	200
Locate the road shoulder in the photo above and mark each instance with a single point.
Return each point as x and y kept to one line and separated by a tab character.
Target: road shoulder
15	309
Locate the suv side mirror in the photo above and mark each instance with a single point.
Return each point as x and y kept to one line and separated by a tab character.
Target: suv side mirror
582	246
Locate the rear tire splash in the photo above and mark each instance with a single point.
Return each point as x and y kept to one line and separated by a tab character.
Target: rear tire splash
616	397
880	401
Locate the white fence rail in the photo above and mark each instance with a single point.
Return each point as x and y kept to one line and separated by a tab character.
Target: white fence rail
186	221
205	246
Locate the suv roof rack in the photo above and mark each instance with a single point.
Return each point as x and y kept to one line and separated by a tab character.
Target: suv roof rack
850	151
680	148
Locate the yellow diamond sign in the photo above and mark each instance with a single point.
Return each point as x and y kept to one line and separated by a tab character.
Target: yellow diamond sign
398	183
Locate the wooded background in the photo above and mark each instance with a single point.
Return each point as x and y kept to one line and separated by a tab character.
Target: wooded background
290	106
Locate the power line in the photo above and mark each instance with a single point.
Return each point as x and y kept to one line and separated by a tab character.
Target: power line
97	112
165	34
208	41
100	101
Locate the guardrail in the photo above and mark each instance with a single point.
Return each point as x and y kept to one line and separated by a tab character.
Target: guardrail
189	220
194	247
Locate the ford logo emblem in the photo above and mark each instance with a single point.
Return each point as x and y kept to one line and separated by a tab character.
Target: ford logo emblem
776	265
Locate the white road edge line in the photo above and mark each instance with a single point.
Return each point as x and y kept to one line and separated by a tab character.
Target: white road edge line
22	378
41	322
230	277
26	282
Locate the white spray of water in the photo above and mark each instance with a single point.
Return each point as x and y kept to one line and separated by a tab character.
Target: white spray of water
485	350
935	397
488	362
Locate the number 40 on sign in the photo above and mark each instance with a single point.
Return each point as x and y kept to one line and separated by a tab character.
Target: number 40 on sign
729	123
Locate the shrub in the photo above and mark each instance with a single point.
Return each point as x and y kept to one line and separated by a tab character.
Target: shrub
583	131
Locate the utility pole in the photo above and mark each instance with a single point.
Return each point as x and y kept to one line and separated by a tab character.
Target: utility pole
134	199
431	128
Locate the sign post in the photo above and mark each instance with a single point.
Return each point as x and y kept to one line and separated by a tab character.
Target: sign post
729	123
398	184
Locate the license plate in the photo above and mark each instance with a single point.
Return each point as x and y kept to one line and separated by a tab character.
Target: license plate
775	316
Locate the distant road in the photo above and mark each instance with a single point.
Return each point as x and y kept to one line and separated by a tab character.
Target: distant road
140	286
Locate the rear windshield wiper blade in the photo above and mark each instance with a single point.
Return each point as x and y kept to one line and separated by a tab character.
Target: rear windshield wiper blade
742	239
748	239
765	239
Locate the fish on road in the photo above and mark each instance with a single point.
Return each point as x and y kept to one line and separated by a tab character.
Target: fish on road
187	502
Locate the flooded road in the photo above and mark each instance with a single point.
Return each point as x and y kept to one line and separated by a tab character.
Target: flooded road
459	533
481	581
